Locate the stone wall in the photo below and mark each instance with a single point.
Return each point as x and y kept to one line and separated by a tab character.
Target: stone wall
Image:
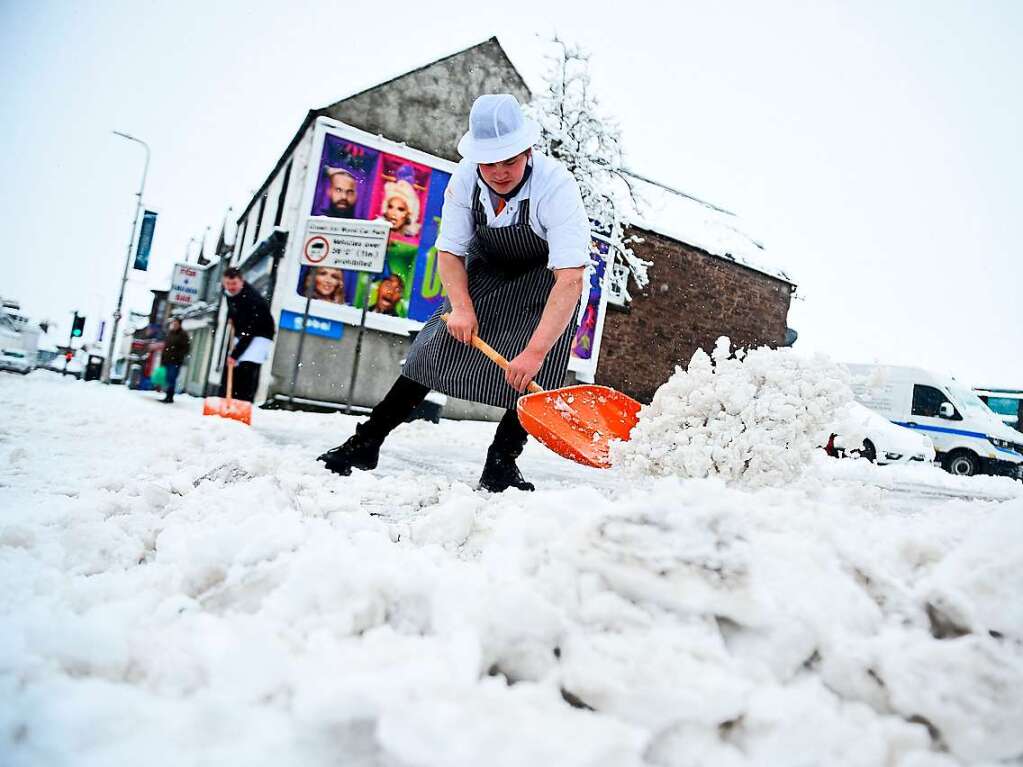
428	108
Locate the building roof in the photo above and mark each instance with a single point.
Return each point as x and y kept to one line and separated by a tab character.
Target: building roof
338	107
370	87
661	209
673	213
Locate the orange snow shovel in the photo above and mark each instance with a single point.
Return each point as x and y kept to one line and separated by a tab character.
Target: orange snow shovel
226	407
576	422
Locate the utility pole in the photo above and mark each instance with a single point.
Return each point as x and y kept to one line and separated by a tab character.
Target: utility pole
109	362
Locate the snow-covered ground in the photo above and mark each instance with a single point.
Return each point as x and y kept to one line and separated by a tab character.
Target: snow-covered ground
180	590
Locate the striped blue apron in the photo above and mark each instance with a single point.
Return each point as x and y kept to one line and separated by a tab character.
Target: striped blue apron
509	284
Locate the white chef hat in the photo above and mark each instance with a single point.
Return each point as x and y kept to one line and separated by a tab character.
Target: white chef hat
497	129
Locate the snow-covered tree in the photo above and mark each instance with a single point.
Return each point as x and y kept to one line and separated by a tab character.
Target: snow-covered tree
589	144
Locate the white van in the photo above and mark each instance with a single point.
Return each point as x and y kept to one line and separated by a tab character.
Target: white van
968	437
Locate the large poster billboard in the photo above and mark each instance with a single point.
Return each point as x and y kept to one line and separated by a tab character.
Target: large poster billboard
358	177
355	180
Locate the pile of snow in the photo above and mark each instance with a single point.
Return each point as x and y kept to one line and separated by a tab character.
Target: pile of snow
183	590
757	416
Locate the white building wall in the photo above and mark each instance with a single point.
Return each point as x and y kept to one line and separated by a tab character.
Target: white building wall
299	162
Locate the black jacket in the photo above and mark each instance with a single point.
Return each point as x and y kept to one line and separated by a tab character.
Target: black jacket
175	348
251	316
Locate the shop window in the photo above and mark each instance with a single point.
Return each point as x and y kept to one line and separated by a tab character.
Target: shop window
284	193
259	218
241	241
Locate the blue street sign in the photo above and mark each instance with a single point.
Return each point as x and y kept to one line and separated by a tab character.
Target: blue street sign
145	240
317	326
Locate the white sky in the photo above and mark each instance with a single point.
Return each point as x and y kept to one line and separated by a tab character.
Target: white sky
873	147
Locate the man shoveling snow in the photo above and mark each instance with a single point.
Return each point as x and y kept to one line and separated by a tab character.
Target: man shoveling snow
513	245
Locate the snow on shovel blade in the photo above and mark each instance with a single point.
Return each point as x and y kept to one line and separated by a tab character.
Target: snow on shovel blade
235	409
579	422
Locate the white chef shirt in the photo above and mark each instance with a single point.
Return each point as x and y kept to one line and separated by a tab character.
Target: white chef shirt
556	211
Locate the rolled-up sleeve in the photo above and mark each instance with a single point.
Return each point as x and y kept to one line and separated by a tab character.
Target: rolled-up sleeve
456	222
564	220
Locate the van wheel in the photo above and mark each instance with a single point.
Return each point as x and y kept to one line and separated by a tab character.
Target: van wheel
962	463
868	451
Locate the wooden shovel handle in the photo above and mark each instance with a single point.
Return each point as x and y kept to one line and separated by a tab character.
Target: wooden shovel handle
230	367
495	356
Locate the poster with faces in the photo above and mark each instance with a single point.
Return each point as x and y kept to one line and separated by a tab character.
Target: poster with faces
357	181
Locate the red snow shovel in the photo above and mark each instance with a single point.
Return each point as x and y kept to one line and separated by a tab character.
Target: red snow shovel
226	407
576	422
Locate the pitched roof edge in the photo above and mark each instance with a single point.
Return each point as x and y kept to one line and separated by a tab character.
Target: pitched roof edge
776	274
666	187
314	113
427	65
311	115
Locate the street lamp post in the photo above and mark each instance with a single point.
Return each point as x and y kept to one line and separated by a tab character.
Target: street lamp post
109	363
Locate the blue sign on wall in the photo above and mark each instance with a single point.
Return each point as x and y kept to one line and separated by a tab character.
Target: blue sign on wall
145	240
317	326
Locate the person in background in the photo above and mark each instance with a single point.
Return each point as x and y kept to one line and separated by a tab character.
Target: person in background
325	283
343	192
254	328
175	349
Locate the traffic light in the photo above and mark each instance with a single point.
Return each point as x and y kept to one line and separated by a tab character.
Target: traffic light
78	327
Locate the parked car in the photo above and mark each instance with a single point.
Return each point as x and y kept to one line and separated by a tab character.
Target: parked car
15	360
968	437
72	367
859	431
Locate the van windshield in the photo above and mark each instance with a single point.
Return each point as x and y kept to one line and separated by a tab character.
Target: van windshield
1004	405
970	401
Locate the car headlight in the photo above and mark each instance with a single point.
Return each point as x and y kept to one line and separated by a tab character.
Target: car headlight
1002	443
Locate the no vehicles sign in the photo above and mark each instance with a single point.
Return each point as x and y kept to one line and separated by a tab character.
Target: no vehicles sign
345	244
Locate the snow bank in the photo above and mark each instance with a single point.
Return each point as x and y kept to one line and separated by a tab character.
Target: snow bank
757	416
182	590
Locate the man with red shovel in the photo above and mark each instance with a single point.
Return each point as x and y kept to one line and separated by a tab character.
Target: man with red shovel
249	315
513	247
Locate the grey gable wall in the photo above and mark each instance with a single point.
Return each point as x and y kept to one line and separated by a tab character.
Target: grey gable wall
428	108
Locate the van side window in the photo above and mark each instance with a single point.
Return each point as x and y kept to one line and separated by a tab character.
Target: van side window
927	401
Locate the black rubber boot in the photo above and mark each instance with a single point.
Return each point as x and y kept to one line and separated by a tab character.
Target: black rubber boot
500	473
360	451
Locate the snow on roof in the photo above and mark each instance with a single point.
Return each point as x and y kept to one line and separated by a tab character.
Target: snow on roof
687	219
